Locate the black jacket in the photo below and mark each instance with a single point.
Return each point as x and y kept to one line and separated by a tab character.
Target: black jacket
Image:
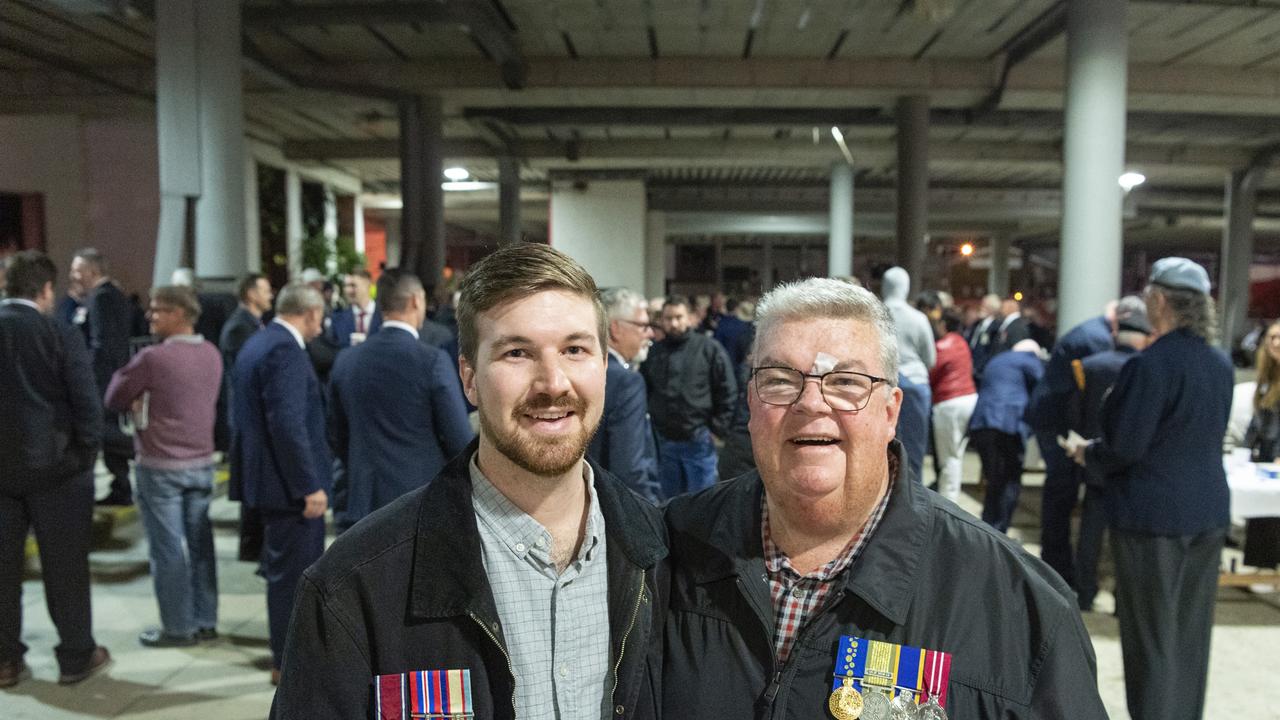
52	417
110	321
405	590
691	385
931	576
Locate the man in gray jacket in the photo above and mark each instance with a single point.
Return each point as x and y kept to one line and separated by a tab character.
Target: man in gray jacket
917	356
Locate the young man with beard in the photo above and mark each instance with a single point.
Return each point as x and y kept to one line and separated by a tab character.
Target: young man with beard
522	581
773	572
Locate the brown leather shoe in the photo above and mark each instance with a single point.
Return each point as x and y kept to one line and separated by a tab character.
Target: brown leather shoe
13	672
98	661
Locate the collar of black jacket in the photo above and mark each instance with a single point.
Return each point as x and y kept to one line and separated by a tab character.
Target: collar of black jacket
448	575
883	575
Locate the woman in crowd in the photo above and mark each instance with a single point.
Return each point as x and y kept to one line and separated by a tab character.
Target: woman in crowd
954	397
1262	535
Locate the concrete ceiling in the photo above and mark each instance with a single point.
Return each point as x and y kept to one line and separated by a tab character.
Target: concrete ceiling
695	93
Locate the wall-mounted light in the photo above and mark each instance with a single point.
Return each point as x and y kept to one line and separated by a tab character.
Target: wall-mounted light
966	249
1131	180
456	174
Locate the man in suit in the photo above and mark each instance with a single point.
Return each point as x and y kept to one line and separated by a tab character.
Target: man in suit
396	410
1010	330
360	319
108	317
279	449
52	426
255	300
997	431
624	443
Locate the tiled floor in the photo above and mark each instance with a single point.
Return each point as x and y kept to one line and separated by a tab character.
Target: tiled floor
228	679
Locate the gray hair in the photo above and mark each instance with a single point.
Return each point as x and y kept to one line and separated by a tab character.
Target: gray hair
621	303
298	299
831	299
1192	310
94	258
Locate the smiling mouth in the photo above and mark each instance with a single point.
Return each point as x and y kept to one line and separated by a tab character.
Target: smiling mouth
549	416
814	441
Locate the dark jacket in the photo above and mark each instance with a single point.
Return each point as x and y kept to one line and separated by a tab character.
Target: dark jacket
406	590
1047	410
109	319
235	333
691	385
1162	430
1096	376
623	444
344	323
1006	385
278	445
931	576
52	418
396	416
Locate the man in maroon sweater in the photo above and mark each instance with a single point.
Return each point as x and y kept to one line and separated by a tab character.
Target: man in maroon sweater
172	391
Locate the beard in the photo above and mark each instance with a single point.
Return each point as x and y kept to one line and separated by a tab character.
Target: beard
642	355
544	457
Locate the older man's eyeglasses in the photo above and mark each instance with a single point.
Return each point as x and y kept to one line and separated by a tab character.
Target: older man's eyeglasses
843	390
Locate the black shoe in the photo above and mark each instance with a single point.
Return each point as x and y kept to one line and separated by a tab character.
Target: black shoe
157	638
115	499
207	634
13	672
98	661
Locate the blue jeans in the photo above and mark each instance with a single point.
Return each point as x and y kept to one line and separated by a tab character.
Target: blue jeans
687	465
913	424
175	513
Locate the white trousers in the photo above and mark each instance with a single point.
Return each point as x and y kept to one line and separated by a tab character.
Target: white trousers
950	436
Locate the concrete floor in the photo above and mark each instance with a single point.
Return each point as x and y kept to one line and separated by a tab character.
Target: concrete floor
228	679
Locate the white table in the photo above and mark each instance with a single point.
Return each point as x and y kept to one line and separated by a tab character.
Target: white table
1251	497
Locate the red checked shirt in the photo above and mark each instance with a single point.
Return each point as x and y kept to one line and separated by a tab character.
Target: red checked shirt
795	597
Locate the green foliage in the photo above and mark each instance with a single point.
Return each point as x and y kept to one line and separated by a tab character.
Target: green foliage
347	256
317	252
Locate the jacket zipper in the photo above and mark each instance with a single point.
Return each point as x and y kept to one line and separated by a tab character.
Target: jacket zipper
622	647
775	687
502	648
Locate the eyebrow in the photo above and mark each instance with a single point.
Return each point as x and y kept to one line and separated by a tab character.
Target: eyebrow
522	340
843	365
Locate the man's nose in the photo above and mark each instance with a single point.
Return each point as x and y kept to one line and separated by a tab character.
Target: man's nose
551	378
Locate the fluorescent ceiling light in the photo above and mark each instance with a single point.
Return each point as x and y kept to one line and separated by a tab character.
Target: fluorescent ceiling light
1131	180
467	186
456	174
839	136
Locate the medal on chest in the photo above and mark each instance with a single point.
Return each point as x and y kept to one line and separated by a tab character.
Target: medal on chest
878	680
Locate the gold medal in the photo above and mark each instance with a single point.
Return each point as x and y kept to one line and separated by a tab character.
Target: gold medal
845	703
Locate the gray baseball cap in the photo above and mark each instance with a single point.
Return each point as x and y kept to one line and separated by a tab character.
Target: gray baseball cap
1180	273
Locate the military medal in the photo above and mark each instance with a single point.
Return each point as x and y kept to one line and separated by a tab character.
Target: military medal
845	703
932	710
903	707
877	682
875	705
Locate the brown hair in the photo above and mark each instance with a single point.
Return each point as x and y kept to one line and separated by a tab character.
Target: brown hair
1267	396
517	271
178	296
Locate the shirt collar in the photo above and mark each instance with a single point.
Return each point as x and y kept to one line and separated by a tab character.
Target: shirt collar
517	529
194	339
620	359
367	308
22	301
402	325
292	331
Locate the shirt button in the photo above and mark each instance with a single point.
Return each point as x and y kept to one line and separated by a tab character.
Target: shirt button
542	542
564	671
619	710
797	592
520	547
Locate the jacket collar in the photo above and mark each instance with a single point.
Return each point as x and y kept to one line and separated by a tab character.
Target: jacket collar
884	575
448	574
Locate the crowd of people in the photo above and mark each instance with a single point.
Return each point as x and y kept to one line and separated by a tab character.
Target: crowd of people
573	497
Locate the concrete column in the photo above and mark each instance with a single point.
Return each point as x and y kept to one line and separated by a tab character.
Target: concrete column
840	241
252	224
357	223
293	222
200	131
602	226
421	173
655	254
1093	159
998	273
1237	252
913	185
508	200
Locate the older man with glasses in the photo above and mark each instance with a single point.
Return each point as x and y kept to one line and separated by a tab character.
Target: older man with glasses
829	584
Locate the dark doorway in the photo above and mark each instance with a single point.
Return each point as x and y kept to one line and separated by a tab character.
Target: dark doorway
272	224
21	222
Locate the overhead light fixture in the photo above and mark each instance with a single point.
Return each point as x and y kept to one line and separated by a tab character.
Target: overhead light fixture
1018	296
966	249
467	186
839	136
1131	180
456	174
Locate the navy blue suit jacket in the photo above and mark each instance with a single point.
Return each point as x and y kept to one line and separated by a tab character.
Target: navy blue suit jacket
1047	411
343	323
278	445
1006	387
396	417
624	443
1162	430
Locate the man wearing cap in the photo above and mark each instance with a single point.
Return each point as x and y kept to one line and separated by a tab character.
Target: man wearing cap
1167	496
1092	379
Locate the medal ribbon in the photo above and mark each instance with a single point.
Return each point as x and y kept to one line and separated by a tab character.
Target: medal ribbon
877	663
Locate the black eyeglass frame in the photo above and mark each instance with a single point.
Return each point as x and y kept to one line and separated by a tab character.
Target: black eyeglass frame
820	377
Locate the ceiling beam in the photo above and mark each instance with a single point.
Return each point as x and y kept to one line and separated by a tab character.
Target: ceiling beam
481	20
1044	29
649	153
